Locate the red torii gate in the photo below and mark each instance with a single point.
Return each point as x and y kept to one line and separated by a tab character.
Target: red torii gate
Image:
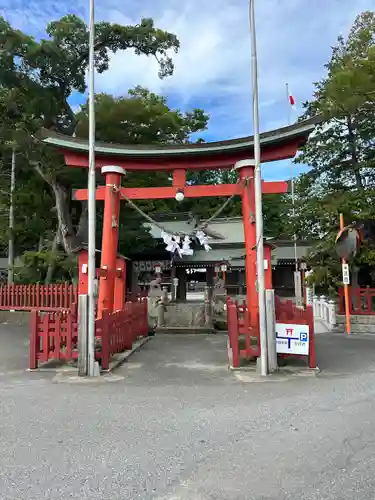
115	160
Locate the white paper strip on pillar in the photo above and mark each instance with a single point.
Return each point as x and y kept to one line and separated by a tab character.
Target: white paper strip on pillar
345	274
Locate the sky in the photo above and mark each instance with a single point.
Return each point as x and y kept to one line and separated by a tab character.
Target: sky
212	68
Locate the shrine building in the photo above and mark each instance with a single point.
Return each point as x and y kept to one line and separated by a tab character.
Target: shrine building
227	249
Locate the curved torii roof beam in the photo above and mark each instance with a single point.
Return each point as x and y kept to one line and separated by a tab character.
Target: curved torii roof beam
278	144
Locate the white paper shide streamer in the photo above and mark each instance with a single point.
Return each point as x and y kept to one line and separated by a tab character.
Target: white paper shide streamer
174	244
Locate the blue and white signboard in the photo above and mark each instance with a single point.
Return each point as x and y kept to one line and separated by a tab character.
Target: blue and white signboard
292	339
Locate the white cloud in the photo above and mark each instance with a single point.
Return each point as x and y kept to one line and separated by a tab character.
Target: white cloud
294	40
212	68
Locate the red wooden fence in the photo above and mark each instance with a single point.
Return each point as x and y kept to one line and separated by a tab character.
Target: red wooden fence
120	329
238	328
38	297
288	313
361	301
54	335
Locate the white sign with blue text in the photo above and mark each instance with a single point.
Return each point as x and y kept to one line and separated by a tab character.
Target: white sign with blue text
292	339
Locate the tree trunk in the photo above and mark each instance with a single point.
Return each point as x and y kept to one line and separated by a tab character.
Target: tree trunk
40	243
69	238
354	154
51	267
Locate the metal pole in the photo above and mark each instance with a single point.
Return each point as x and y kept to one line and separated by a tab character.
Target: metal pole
91	201
258	198
11	220
82	335
297	280
271	330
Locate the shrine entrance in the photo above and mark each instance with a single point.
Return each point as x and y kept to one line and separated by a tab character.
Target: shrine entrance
115	160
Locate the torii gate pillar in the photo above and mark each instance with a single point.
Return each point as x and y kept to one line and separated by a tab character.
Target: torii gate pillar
107	272
245	170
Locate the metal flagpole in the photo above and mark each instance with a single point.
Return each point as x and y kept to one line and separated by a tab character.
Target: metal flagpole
258	198
91	200
297	276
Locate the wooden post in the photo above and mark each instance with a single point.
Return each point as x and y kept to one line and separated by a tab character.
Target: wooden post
310	322
346	288
34	339
248	212
120	285
105	340
109	238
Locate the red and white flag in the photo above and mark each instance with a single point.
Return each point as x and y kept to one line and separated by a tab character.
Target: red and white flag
291	104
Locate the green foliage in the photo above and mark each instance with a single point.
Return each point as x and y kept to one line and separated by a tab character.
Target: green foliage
141	117
46	72
33	267
36	79
341	152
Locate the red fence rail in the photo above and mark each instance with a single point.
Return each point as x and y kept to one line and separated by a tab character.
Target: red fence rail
239	329
288	313
361	301
39	297
240	332
119	330
54	335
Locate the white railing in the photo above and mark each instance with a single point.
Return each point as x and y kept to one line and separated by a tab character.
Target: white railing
325	311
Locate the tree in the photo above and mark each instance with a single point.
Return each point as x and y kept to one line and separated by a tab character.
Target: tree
141	117
37	78
341	151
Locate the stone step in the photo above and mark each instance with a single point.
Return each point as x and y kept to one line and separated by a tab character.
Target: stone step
185	330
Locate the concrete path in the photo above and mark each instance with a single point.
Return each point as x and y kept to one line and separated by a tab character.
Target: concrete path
14	348
179	426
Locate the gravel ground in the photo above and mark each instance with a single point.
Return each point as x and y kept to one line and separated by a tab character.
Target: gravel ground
180	426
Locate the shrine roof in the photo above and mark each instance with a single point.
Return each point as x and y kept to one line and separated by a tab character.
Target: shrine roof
299	130
229	228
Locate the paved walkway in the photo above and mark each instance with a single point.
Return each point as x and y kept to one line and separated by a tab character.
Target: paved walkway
179	426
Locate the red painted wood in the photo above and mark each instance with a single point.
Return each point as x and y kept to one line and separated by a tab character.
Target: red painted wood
310	322
109	243
69	335
189	191
104	326
361	301
46	298
33	363
58	333
196	161
120	285
248	214
179	178
46	330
